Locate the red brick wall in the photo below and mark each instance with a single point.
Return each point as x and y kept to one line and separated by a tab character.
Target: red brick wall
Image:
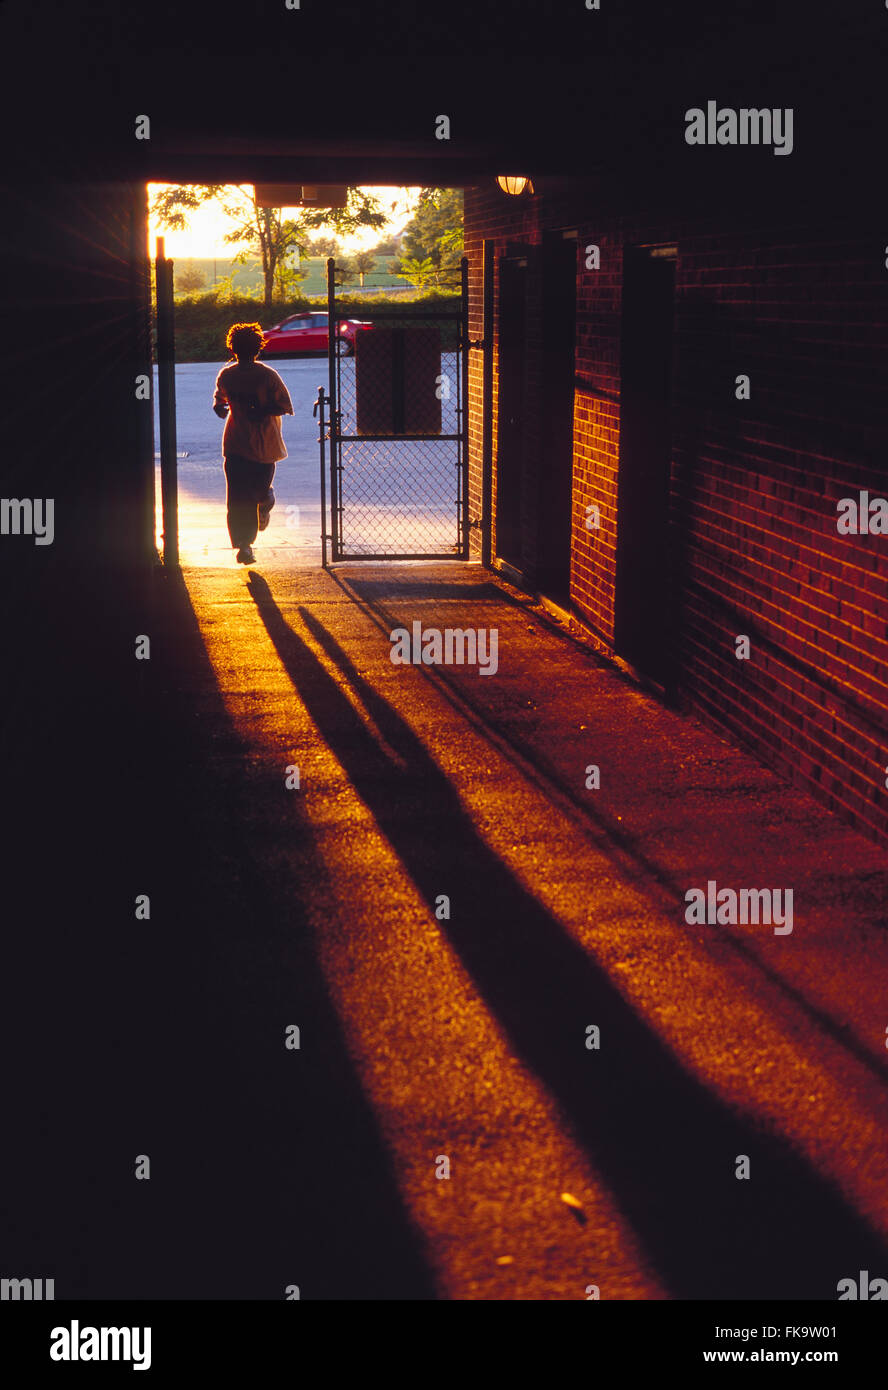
754	549
596	432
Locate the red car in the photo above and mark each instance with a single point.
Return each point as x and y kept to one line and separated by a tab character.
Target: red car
308	332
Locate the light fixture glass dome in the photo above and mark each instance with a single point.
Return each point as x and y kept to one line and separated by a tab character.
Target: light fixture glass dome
514	183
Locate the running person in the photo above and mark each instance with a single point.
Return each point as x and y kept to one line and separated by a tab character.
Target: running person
254	398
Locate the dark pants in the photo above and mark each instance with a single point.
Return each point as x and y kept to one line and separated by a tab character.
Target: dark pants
249	484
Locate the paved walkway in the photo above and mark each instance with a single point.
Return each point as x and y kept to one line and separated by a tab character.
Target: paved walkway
426	1036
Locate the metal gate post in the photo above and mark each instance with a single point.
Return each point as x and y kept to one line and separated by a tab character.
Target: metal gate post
140	288
332	363
318	411
487	403
464	403
166	401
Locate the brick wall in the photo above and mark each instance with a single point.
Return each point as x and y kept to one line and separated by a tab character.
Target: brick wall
802	308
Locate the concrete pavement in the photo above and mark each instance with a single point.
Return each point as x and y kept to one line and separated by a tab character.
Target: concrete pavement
464	1037
418	507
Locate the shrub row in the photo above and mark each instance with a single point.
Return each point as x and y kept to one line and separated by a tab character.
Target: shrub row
202	321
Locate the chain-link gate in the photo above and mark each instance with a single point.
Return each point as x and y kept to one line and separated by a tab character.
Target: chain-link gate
397	412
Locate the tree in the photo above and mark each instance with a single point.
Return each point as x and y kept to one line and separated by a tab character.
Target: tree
225	290
393	268
346	270
190	277
288	276
419	272
435	232
324	246
263	232
452	241
364	263
387	247
361	210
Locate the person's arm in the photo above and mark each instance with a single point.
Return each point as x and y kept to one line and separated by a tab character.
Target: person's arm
281	396
220	401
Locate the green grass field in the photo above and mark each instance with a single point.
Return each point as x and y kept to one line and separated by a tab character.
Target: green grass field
248	278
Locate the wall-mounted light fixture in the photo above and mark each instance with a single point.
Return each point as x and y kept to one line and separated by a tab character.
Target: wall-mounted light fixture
514	184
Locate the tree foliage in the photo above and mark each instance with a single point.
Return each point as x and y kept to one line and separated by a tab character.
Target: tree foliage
435	233
190	277
365	264
361	210
264	232
324	246
346	270
288	276
419	272
387	247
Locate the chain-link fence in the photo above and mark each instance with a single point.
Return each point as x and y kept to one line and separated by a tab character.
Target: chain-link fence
398	451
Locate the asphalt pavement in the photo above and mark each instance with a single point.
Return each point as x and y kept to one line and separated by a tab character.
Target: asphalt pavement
453	916
408	490
202	532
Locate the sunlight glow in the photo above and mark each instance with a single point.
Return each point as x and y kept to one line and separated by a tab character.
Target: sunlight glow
205	235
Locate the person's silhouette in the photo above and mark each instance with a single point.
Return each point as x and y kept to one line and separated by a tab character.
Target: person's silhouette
253	398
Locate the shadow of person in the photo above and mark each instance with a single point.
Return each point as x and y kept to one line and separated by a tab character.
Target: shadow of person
277	1172
665	1146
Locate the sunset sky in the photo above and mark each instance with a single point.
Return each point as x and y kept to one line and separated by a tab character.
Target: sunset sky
204	237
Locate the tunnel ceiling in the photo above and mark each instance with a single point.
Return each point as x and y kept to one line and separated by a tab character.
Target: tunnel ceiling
350	93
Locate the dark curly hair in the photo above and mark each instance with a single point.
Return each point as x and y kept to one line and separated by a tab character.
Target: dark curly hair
245	339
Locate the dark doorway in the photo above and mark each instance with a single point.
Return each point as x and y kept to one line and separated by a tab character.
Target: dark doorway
642	633
511	424
556	450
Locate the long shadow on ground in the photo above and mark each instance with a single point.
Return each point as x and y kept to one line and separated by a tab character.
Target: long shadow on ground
665	1146
269	1161
648	876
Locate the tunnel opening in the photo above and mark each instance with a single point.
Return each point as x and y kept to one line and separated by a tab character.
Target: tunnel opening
361	295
